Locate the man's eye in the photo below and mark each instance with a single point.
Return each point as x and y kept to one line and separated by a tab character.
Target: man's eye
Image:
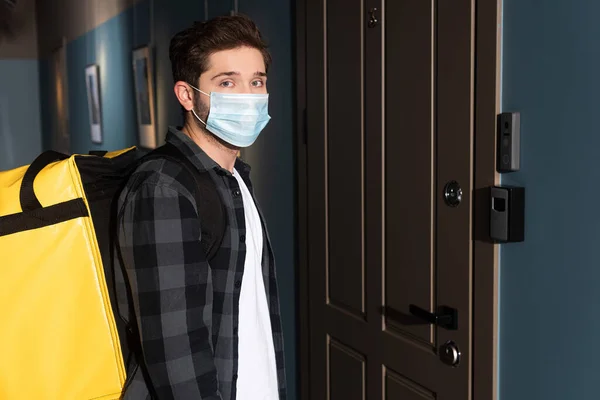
257	83
227	84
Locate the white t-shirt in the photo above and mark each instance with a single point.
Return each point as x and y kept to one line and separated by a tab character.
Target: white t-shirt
257	369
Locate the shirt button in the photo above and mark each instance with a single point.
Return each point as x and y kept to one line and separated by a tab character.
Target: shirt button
235	331
235	377
238	284
243	238
236	192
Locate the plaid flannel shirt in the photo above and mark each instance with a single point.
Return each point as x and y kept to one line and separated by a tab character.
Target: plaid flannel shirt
186	310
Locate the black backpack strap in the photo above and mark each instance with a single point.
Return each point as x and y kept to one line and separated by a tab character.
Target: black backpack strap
29	201
213	223
211	211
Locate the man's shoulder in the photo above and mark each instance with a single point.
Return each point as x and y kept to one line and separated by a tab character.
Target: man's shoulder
159	175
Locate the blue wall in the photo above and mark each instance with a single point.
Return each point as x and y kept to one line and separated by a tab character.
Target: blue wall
550	284
169	18
110	47
272	156
20	131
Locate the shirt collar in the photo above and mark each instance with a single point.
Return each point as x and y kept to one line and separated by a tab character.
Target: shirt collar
198	157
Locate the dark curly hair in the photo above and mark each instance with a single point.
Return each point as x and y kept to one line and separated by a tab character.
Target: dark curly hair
191	48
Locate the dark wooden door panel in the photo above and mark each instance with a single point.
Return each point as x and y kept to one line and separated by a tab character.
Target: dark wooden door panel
409	163
344	141
398	387
346	372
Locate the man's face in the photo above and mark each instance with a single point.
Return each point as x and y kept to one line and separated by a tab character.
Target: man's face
239	70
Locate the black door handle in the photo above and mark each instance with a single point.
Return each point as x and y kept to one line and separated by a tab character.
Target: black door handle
446	317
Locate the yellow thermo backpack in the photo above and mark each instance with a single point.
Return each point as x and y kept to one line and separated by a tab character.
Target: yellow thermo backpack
61	337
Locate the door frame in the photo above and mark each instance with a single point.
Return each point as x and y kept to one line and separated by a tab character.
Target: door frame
485	254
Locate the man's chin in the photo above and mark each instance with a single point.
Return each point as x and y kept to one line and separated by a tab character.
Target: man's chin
228	145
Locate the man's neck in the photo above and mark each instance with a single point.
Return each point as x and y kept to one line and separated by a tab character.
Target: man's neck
218	152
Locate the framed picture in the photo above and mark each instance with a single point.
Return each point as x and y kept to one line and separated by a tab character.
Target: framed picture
93	95
144	97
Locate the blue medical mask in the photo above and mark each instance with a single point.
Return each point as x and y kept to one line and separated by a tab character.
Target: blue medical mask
236	118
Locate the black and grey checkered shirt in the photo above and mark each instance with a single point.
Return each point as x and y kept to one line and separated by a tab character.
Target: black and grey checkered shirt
186	309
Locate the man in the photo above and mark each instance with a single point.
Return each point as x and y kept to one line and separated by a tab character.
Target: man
206	330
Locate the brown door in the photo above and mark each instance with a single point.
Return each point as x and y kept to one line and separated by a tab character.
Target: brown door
389	126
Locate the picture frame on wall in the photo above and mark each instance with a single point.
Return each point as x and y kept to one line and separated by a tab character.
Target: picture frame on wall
144	97
92	79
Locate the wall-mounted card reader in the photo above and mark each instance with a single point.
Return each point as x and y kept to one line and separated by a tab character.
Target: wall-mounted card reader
507	214
509	142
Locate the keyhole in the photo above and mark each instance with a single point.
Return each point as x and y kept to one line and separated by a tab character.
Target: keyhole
453	194
373	21
450	354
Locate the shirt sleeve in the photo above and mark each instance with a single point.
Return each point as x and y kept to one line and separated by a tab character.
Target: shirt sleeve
170	280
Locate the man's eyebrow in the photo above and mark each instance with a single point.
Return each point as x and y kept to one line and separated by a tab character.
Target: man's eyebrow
236	73
228	73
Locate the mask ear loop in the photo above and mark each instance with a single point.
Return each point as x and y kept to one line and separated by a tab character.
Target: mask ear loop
204	93
196	115
193	111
